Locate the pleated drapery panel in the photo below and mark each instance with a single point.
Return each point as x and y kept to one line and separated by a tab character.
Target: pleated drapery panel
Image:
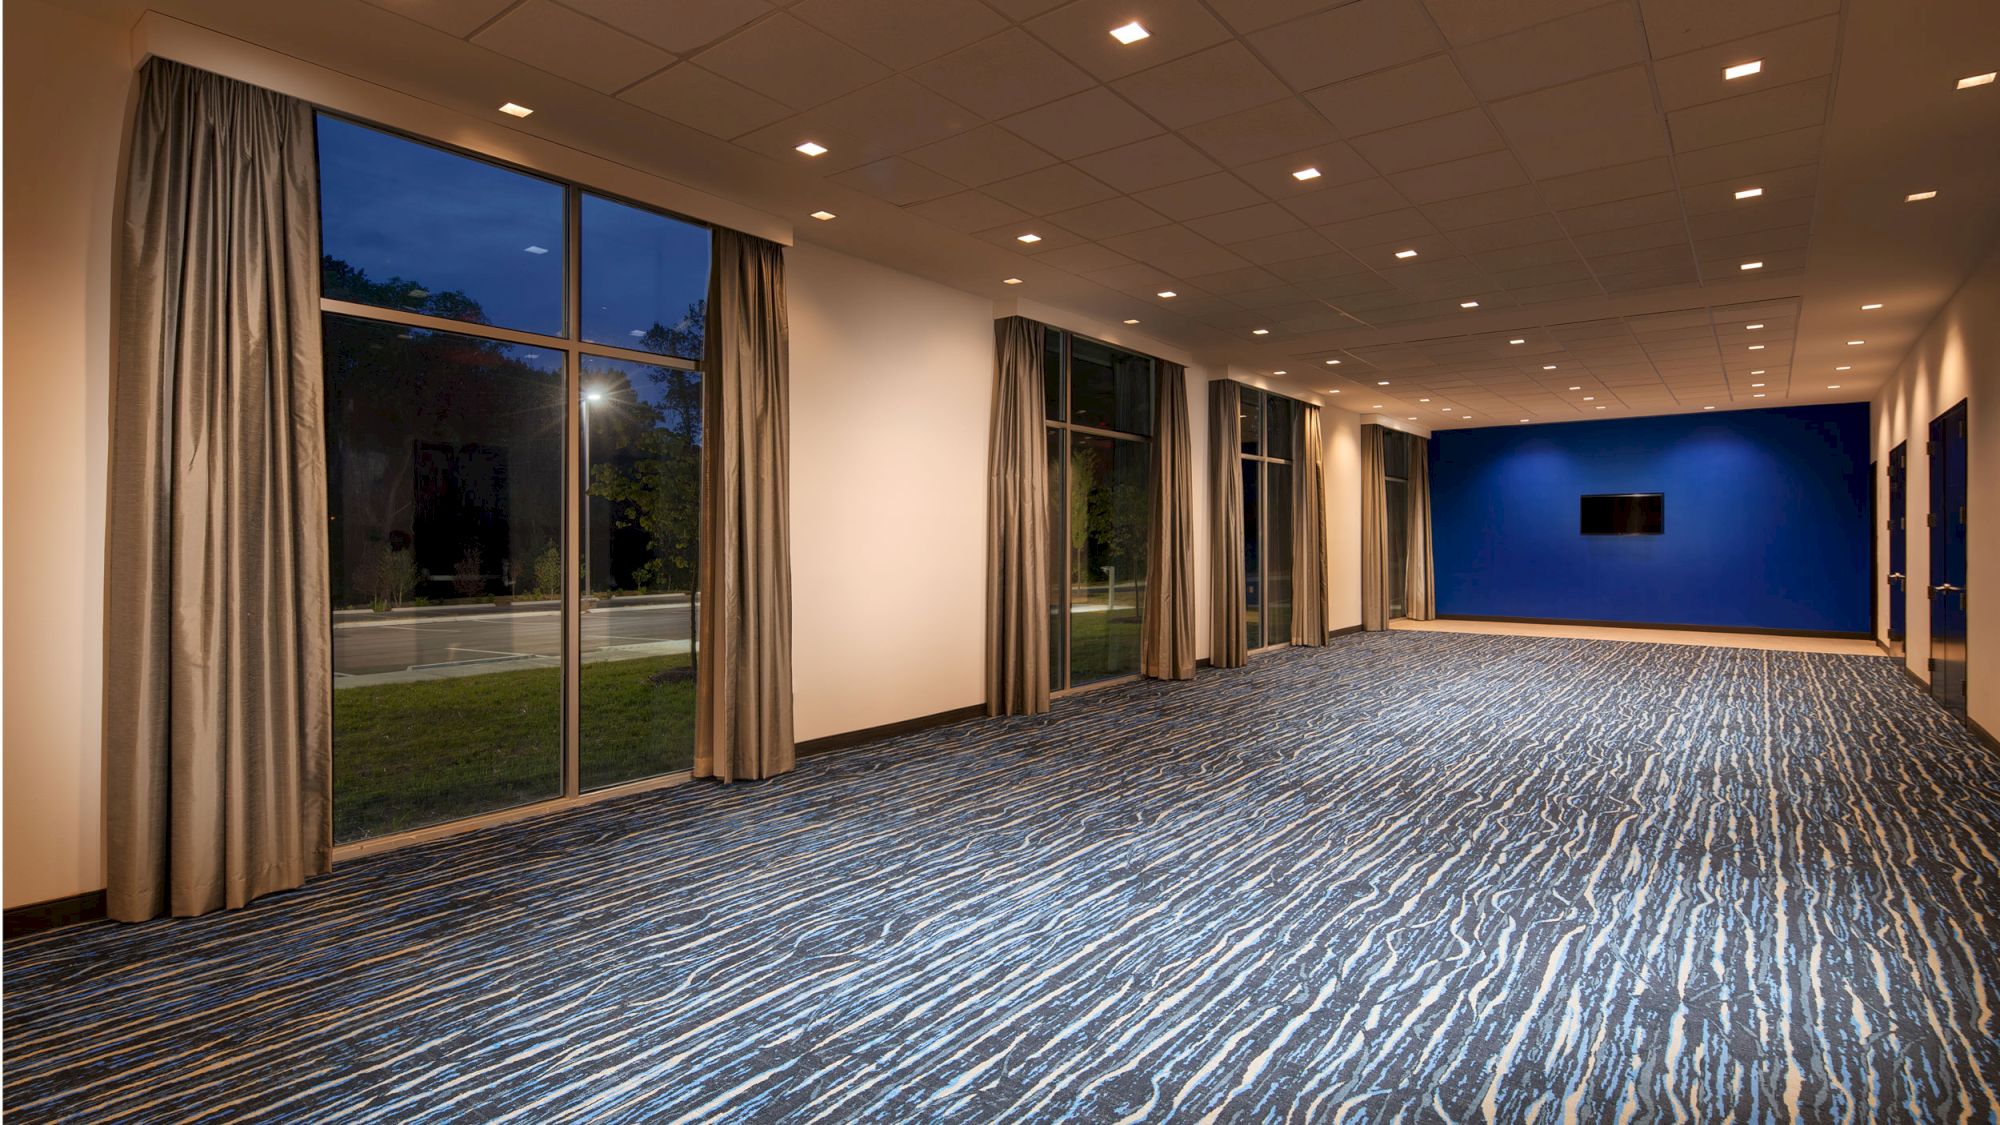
743	711
1229	632
218	714
1308	529
1166	633
1017	525
1374	532
1420	587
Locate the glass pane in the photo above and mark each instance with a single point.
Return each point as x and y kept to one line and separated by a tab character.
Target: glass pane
406	225
1110	389
1058	553
1398	497
1278	426
642	451
1107	555
1278	553
1253	554
1396	454
645	279
444	482
1251	420
1052	374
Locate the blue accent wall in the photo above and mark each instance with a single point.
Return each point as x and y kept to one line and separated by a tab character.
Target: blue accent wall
1767	520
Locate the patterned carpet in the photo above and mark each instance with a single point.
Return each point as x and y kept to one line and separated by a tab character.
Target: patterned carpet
1408	877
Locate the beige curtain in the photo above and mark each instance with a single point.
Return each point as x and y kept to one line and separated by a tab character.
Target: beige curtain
1166	634
1229	637
1308	529
743	723
217	668
1017	526
1374	532
1420	587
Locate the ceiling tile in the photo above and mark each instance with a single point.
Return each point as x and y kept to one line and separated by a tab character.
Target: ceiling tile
1190	90
1008	235
1150	163
550	37
791	61
1562	50
1779	109
1283	126
1473	21
901	33
709	102
1455	135
1337	162
1137	278
1671	232
1751	157
1592	123
1003	75
1022	9
1489	171
1401	95
1231	283
1249	15
1260	221
1205	195
1405	225
1084	123
1783	185
1118	215
1371	196
1083	258
1177	250
1677	26
1608	185
844	150
680	26
1769	215
1048	190
894	115
897	180
969	211
454	17
1486	207
1802	51
1348	41
1512	233
1664	207
981	156
1274	250
1320	266
1082	31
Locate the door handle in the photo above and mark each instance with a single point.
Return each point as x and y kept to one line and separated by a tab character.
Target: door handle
1896	577
1945	588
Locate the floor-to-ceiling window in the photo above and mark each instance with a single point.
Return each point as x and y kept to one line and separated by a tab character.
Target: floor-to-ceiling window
514	429
1396	449
1266	423
1100	427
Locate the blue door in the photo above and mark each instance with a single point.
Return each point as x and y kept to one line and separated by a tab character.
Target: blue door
1947	585
1898	591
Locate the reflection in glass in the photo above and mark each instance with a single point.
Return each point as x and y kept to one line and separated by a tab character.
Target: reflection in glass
1253	552
1398	531
645	279
1277	550
1251	420
411	226
1053	398
1278	418
1109	388
642	433
444	474
1058	559
1106	555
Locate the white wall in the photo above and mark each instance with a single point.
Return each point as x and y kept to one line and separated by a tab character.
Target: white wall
67	82
1958	357
892	391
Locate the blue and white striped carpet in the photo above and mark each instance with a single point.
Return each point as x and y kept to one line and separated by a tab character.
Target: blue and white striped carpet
1410	877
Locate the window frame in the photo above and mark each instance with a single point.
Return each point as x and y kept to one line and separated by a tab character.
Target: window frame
573	348
1264	461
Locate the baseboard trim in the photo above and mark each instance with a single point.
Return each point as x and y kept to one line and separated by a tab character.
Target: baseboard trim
1827	634
1982	734
1348	631
41	917
849	739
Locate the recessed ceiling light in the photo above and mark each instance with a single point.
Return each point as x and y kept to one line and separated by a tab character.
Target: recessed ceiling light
1708	408
1752	327
1759	394
1590	398
1759	371
1548	367
1742	70
1280	371
515	109
1871	307
1468	304
1406	253
1751	266
1131	322
534	249
1977	80
1010	281
1260	332
1919	196
1576	388
1129	34
811	148
1856	343
1333	363
1756	384
1333	390
1377	406
822	216
1447	409
1381	382
1166	294
1600	408
1306	174
1027	238
1524	419
1750	193
1845	367
1833	386
1756	347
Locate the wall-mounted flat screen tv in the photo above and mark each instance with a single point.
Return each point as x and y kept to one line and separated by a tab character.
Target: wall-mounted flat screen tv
1625	513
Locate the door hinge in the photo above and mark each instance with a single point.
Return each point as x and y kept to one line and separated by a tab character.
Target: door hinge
1930	519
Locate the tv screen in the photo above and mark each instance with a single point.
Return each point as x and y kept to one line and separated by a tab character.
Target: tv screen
1625	513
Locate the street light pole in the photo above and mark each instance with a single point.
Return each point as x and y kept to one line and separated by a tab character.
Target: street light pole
588	398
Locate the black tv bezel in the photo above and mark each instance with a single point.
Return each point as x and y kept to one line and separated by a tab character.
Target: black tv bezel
1583	498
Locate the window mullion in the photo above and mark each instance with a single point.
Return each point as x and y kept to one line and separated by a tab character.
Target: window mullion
573	500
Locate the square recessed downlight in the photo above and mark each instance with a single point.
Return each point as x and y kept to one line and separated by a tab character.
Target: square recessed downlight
1548	367
1919	196
1970	81
1130	33
1759	394
1758	371
1756	384
1166	294
1752	327
1468	304
1279	371
1333	363
1845	367
1131	320
1306	174
1027	238
811	148
1381	382
1260	332
535	250
1750	193
1833	386
1751	266
1742	70
515	109
1871	306
1406	253
1010	281
822	216
1856	343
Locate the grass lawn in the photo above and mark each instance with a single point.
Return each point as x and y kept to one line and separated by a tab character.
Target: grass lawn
407	755
1103	645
